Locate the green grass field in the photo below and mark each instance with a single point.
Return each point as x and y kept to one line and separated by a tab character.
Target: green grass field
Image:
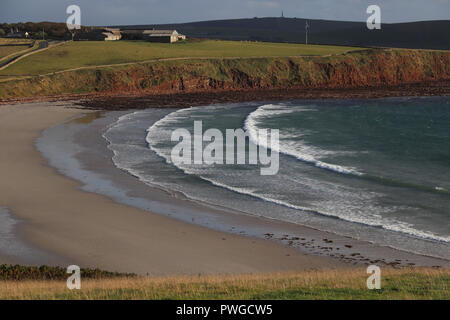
350	284
7	50
83	54
10	46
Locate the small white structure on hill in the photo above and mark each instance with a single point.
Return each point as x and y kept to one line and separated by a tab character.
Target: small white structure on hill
163	36
169	36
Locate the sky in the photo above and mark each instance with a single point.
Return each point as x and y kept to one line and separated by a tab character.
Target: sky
123	12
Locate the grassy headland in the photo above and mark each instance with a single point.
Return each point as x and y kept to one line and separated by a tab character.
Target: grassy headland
95	53
213	66
396	284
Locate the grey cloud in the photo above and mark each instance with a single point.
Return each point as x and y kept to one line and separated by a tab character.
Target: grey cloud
108	12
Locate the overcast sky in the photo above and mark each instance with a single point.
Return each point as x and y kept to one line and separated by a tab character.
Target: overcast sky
116	12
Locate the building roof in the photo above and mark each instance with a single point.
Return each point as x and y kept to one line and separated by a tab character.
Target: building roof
113	31
127	31
160	33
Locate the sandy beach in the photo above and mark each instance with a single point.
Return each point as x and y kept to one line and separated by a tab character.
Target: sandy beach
53	221
70	226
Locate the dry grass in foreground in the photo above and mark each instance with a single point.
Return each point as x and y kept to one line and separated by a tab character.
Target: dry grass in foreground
331	284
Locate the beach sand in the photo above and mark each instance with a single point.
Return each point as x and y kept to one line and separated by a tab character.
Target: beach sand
64	225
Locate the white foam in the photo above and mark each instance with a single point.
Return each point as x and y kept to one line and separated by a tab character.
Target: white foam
298	150
383	223
161	130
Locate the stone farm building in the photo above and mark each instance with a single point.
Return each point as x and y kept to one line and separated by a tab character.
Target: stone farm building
100	34
16	34
164	36
111	34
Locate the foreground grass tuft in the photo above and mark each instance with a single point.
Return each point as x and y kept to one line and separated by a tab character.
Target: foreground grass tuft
326	284
21	273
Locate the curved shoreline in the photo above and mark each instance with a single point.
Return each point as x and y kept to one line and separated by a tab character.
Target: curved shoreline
91	230
306	239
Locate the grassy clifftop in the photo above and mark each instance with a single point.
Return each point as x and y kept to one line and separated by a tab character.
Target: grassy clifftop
78	54
368	68
424	284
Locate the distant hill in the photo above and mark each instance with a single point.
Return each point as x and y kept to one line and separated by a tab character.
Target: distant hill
423	34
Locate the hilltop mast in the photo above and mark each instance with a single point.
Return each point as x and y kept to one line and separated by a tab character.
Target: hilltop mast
306	31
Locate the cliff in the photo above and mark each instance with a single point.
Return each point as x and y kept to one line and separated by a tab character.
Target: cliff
361	69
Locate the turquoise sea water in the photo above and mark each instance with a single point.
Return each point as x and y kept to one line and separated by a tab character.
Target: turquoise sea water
375	169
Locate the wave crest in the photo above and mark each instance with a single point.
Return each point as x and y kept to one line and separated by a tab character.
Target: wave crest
298	150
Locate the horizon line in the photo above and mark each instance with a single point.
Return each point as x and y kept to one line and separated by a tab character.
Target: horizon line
231	19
